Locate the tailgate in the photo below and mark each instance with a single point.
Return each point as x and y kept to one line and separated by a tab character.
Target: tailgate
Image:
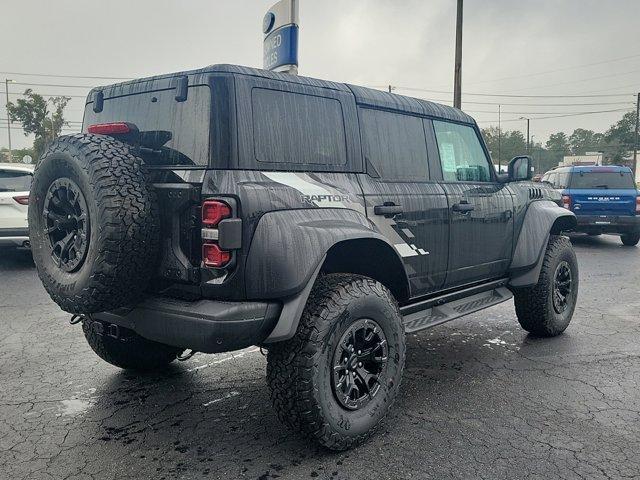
604	202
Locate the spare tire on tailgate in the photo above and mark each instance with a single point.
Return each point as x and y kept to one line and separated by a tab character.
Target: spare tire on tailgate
93	223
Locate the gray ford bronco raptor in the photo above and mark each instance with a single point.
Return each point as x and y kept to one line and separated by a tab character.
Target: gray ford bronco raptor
225	207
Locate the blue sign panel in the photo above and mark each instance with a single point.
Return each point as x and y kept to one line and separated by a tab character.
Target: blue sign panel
281	47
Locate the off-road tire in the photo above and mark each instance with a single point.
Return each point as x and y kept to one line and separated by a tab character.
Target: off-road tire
535	306
127	350
299	369
630	239
123	225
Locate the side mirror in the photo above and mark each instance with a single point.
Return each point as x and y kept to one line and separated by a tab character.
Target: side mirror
520	168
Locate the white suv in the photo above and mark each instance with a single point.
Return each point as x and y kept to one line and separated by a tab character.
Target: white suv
15	181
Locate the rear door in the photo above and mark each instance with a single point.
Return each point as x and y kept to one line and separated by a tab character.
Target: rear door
480	208
603	192
402	200
14	192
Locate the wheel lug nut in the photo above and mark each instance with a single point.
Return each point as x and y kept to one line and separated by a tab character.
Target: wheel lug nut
359	364
359	352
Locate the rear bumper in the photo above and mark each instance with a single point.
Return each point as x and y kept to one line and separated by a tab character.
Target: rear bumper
205	326
14	236
608	223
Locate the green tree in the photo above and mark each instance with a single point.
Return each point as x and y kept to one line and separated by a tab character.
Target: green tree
620	138
36	118
582	141
505	145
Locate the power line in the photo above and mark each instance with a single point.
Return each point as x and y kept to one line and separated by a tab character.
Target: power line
64	76
576	81
48	94
527	75
538	113
61	85
558	116
515	96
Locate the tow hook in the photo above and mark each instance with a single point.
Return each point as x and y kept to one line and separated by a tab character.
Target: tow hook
75	319
186	356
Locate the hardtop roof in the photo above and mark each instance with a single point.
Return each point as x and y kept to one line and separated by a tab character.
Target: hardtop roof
364	96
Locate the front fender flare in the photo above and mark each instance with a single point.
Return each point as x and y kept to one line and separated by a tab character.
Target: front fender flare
541	220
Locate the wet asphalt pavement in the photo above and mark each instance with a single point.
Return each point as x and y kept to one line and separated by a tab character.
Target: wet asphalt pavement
480	398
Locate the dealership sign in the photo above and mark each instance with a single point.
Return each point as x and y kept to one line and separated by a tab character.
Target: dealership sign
280	45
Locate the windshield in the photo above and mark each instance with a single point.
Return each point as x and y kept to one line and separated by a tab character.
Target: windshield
606	180
12	181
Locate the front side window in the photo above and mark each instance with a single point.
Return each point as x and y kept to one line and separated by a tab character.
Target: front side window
461	154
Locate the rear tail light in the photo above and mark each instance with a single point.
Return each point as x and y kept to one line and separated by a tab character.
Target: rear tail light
566	201
213	257
214	211
638	205
116	128
22	199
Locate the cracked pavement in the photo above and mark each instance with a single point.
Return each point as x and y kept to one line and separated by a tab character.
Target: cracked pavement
480	398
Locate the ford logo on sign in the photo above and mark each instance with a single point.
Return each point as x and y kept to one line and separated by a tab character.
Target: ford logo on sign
267	23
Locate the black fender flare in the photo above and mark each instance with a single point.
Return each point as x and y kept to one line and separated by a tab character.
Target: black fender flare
288	250
542	219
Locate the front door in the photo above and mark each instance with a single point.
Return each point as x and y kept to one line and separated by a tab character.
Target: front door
480	208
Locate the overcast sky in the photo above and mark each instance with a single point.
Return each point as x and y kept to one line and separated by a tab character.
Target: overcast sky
403	43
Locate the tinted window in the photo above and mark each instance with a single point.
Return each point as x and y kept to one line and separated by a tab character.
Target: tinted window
601	179
297	129
176	133
11	181
461	153
395	144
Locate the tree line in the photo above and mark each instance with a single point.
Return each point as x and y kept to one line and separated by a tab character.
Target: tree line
615	143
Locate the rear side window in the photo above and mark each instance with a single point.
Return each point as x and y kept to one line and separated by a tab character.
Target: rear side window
12	181
563	180
299	129
461	153
175	133
395	144
601	180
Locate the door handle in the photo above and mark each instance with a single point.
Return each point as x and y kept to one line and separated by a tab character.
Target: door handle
463	207
387	210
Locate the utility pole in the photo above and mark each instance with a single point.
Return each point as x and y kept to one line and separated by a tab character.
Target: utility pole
528	142
499	138
457	74
6	91
390	88
635	142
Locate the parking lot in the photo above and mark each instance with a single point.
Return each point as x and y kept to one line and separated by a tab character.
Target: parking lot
480	398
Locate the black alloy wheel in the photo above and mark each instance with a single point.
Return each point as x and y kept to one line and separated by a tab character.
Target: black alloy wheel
358	364
66	217
562	285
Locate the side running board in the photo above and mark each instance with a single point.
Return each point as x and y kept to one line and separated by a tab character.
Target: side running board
450	307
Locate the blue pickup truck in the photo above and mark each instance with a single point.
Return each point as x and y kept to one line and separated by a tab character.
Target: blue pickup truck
605	199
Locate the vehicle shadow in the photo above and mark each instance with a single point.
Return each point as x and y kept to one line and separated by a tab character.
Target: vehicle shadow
15	259
219	421
600	242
